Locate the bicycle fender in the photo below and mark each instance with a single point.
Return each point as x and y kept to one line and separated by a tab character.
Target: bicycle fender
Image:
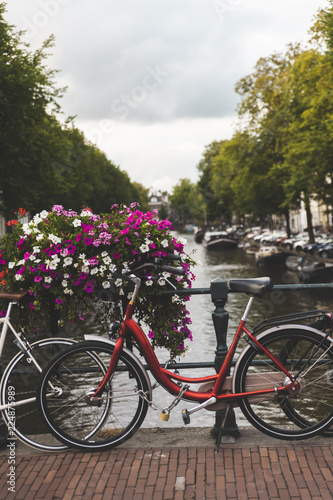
268	332
103	340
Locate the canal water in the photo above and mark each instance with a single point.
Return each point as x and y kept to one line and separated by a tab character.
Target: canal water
228	265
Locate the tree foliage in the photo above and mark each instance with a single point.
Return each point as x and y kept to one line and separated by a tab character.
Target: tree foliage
42	161
281	152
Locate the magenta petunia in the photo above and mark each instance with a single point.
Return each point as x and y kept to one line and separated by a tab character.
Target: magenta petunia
89	287
38	279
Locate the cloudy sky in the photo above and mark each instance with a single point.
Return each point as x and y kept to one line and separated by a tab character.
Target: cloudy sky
151	82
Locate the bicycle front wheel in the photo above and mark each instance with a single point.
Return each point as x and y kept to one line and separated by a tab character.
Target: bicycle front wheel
18	394
299	412
108	420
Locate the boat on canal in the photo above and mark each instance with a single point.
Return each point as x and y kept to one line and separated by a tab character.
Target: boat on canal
219	240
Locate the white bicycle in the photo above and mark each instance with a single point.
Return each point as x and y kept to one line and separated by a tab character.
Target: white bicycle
19	382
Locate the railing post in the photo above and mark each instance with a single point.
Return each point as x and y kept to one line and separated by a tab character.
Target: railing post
219	295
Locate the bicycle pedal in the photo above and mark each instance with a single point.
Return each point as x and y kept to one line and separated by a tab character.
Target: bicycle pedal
165	416
186	417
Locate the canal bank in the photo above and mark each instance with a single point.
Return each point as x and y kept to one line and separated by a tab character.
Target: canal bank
177	464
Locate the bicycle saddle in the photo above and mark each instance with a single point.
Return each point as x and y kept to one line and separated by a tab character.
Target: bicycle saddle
253	286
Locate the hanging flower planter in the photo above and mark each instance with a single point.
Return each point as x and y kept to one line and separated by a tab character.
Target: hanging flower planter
72	257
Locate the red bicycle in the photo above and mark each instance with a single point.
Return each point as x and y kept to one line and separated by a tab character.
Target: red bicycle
100	391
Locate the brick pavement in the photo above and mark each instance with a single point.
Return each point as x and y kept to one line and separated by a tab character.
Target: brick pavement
235	472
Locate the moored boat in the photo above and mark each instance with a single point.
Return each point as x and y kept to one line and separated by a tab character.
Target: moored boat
219	240
270	255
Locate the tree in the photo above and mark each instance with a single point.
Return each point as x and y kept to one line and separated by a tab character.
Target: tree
206	184
28	102
43	162
186	201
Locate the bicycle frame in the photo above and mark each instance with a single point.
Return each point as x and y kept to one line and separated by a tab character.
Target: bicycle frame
24	347
165	377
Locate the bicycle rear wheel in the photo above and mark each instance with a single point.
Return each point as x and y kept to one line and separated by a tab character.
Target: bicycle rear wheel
296	413
113	417
19	383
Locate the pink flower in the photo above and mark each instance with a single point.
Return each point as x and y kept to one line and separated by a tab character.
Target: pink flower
89	287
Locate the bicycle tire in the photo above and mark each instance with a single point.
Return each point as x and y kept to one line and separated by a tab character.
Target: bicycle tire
79	424
311	404
287	408
19	382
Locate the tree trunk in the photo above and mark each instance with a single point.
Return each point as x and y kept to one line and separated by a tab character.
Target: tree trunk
286	214
309	219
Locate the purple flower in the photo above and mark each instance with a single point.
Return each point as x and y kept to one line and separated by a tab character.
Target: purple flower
38	279
59	301
89	287
88	241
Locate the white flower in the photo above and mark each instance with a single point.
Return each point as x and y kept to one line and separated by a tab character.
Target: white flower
11	265
76	264
102	269
25	228
21	262
85	269
144	248
112	268
161	282
106	284
149	283
121	292
44	214
129	295
94	270
37	261
118	282
37	219
82	256
48	279
54	239
86	213
64	283
68	291
32	257
36	249
18	277
66	276
68	261
40	237
175	298
165	243
166	275
76	222
104	254
53	265
181	240
107	260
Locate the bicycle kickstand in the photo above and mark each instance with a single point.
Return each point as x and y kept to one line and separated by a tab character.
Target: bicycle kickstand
220	433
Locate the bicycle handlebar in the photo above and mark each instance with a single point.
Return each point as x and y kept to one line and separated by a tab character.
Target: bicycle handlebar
173	270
